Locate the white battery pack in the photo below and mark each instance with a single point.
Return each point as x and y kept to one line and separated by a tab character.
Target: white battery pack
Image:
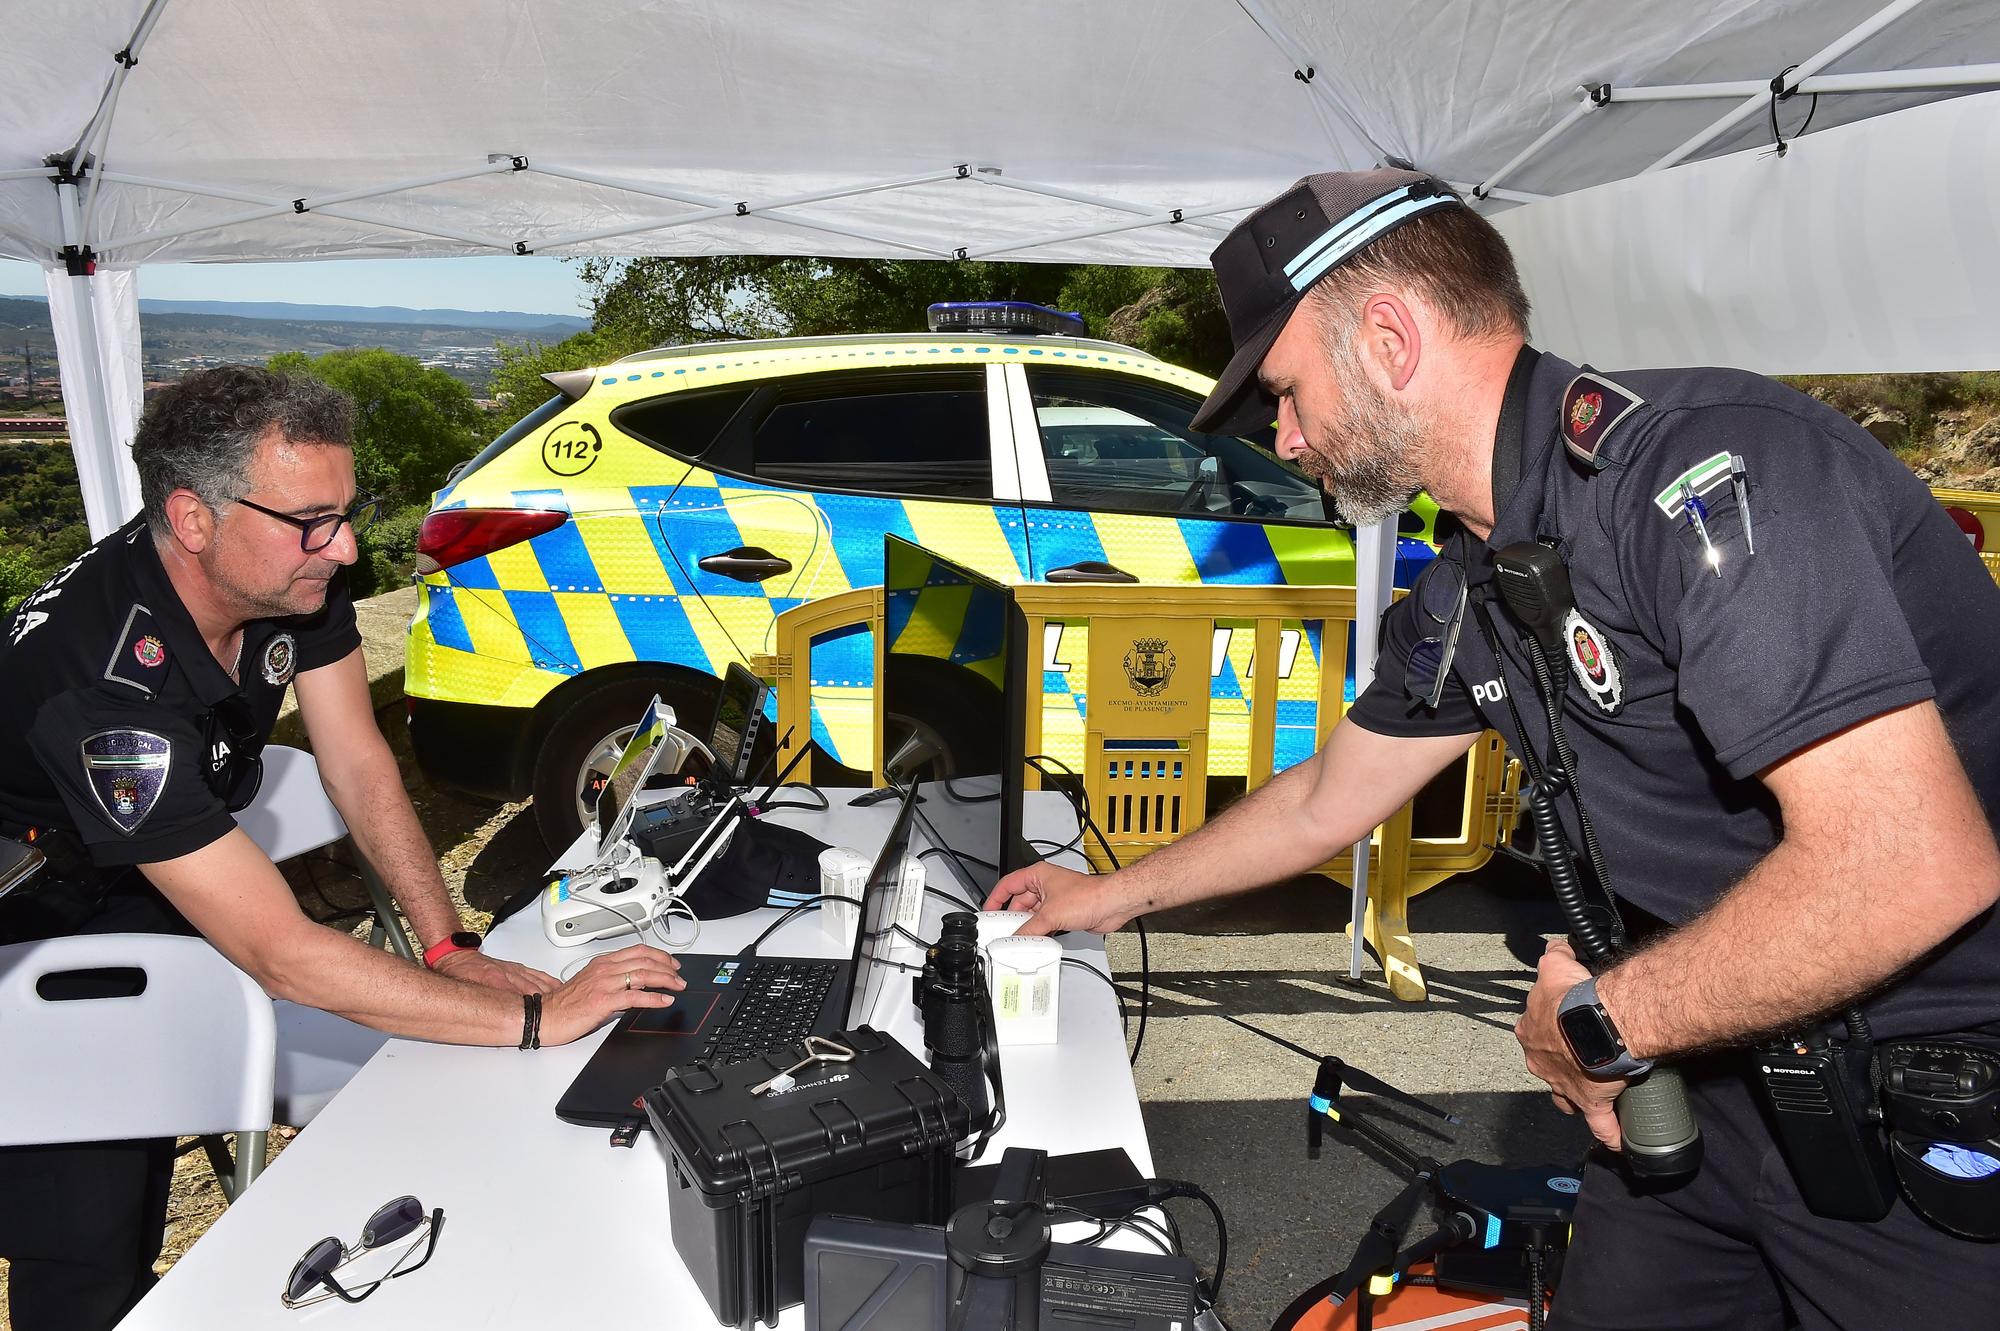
1025	978
842	873
910	895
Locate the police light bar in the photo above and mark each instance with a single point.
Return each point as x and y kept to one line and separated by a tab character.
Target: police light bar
1003	316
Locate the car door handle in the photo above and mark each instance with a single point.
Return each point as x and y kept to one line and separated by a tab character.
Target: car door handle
746	563
1090	570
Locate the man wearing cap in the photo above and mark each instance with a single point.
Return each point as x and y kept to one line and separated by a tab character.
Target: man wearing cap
141	684
1777	686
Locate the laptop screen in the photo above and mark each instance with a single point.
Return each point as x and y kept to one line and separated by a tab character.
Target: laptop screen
873	938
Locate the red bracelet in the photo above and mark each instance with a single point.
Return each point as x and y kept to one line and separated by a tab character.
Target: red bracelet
464	941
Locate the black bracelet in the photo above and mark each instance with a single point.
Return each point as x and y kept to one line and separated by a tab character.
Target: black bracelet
531	1021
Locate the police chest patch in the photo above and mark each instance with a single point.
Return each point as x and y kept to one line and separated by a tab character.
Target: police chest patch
280	660
1592	406
1593	663
127	771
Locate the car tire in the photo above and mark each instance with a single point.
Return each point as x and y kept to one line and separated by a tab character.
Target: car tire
584	728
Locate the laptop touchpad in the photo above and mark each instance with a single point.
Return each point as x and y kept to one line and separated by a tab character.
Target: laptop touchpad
688	1014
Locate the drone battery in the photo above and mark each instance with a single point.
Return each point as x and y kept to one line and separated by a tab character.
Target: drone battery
748	1172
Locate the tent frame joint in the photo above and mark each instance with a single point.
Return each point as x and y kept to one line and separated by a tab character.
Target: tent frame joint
78	260
1305	75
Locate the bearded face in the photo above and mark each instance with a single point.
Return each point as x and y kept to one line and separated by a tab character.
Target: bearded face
1368	455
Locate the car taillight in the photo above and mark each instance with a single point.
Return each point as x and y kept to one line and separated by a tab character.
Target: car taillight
454	535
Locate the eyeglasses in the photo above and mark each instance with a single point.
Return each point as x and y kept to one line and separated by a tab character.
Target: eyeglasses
1440	598
312	1279
317	533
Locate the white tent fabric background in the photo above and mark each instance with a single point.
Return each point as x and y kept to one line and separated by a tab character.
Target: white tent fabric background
1113	131
1122	131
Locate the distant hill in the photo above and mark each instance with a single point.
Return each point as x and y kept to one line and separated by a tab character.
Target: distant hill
177	336
556	326
511	321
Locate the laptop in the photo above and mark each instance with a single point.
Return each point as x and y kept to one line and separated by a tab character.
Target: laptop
737	1007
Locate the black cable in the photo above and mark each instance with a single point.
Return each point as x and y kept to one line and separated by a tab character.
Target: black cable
1090	824
1052	848
953	897
810	903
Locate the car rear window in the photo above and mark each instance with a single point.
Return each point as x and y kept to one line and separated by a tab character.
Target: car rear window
914	432
684	424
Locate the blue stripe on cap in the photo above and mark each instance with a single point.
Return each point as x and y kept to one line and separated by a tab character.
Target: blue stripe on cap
1341	241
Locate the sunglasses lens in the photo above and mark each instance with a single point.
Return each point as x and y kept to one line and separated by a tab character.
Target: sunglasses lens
364	515
315	1266
393	1221
1420	677
1440	590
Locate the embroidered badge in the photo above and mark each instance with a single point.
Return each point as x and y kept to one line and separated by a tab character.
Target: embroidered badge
150	651
280	659
1593	663
1592	408
127	771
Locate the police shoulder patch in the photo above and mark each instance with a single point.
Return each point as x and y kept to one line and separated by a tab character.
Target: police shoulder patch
280	660
1592	407
127	771
138	654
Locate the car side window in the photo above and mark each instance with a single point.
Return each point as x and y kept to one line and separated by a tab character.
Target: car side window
683	423
1119	443
913	432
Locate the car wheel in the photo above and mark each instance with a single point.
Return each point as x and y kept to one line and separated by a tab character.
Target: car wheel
584	740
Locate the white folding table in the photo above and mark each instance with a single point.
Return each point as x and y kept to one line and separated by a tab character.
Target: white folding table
546	1225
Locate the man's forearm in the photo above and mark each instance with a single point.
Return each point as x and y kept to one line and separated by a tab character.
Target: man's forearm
1800	937
321	968
370	796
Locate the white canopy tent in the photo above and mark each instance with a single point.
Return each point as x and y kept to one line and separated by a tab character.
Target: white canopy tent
1628	149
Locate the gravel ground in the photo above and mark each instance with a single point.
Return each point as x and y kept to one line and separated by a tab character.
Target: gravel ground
1224	1107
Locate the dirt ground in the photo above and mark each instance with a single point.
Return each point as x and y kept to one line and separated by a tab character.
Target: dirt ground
486	853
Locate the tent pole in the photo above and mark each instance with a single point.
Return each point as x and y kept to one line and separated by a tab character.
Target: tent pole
992	176
1374	579
745	208
1819	85
103	456
89	147
1584	107
1305	70
1812	65
769	212
1171	217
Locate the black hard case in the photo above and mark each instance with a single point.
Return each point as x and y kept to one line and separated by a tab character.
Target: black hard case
873	1137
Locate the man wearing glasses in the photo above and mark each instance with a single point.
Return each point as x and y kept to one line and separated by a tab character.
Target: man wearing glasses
140	686
1785	728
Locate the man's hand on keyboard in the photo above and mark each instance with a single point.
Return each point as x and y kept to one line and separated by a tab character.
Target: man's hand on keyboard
1061	899
606	986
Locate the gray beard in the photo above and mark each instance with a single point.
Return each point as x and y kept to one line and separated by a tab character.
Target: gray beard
1370	460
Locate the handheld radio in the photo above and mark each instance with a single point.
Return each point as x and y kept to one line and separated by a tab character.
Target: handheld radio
1662	1140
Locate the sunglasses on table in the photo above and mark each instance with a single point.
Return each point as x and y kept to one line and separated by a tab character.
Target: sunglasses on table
1440	596
317	532
312	1279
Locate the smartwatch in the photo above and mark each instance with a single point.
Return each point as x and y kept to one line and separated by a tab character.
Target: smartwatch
1592	1037
463	941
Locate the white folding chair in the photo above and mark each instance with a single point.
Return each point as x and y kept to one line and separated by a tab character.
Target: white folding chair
318	1052
190	1055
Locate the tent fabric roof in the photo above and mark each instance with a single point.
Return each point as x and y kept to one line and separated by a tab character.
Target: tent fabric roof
1096	115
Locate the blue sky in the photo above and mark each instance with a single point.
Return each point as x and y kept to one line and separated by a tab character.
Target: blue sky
533	284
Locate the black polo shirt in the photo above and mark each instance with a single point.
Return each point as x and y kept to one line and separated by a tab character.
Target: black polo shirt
129	734
1685	676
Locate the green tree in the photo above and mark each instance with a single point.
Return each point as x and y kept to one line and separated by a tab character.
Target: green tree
413	423
517	385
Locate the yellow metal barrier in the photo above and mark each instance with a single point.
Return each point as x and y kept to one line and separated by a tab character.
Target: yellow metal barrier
1147	710
1984	508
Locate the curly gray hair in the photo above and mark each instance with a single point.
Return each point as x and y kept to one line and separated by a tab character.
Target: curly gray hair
201	433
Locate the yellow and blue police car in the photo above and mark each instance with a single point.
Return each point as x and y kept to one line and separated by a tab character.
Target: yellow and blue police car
643	528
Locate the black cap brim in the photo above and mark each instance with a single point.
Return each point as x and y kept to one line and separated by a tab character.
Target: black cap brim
1239	405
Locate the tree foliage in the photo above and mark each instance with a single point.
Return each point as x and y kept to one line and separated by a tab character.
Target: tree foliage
412	424
651	302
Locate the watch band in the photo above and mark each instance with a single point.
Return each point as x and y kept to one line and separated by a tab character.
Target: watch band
1581	1002
461	941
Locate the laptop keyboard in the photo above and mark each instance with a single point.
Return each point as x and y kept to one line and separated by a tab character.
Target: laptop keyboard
778	1003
